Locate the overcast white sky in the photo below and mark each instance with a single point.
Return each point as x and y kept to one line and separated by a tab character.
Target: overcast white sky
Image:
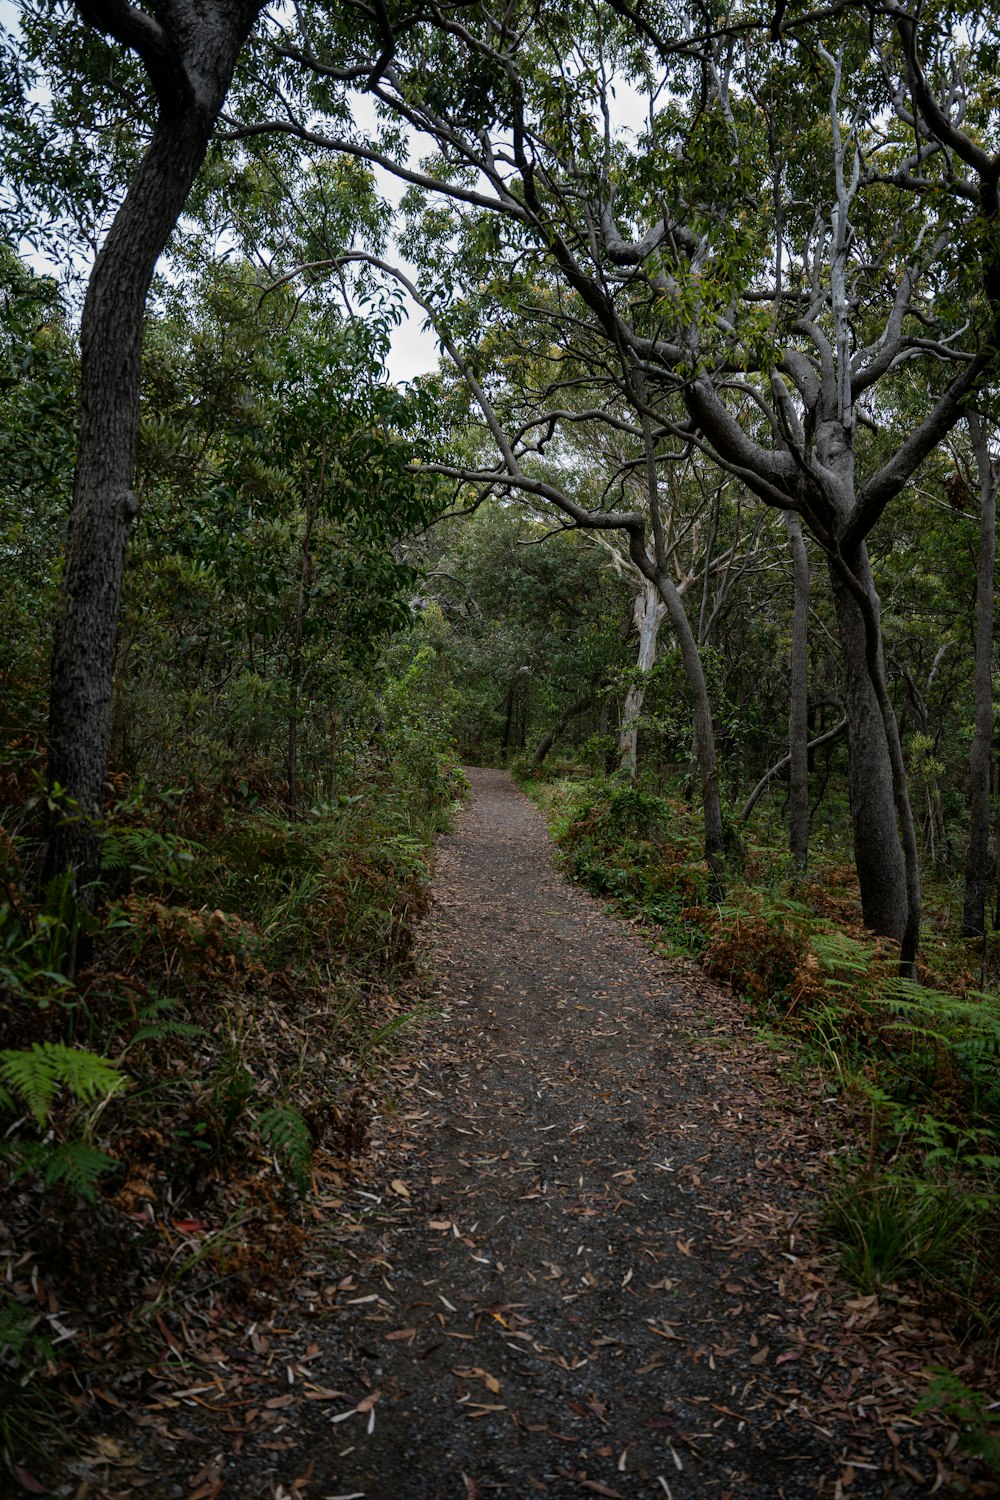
413	349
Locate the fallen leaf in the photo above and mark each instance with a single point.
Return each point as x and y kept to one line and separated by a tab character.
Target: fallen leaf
29	1482
399	1187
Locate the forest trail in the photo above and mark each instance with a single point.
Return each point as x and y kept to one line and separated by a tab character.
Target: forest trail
580	1268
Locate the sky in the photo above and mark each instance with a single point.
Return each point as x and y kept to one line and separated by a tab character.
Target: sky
413	349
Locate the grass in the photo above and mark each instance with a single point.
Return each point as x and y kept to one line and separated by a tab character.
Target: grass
896	1226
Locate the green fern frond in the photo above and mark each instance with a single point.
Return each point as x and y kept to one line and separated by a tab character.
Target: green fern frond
19	1340
36	1074
75	1163
837	950
78	1165
155	1031
285	1132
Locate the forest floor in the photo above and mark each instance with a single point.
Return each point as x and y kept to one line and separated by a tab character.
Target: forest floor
580	1257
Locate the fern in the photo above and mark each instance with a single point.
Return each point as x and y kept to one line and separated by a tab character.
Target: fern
971	1408
145	852
36	1075
77	1164
154	1023
20	1344
285	1132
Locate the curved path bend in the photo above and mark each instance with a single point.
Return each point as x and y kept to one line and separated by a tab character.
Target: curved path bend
598	1283
581	1262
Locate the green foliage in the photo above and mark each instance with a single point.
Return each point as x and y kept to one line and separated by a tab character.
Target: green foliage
972	1409
76	1165
33	1079
147	854
638	849
36	1076
893	1226
26	1414
285	1132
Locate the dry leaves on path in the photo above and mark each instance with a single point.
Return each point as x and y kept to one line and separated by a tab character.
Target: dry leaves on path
580	1258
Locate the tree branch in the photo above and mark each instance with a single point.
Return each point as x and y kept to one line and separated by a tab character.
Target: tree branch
147	39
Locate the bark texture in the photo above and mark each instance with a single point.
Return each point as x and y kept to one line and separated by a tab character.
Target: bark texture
798	712
977	855
877	848
190	54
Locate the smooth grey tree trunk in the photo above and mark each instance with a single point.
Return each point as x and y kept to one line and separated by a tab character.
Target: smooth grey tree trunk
648	613
977	854
878	851
191	68
798	712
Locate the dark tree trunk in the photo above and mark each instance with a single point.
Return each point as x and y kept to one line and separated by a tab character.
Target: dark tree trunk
508	718
704	729
191	69
977	856
548	740
295	663
798	712
878	852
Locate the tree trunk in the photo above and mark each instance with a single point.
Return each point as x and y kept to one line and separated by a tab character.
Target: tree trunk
704	730
295	663
977	856
878	853
548	740
798	712
191	88
648	612
784	763
508	718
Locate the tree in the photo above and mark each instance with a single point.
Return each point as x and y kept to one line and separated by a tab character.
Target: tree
188	53
980	755
265	576
798	713
662	258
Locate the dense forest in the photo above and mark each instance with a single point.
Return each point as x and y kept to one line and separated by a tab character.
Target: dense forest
690	524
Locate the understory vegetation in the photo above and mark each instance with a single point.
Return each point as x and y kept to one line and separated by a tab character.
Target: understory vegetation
688	519
191	1042
192	1051
914	1196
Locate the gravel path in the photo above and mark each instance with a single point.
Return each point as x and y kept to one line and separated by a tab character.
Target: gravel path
581	1261
593	1285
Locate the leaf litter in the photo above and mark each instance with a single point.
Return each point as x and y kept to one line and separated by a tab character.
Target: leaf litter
579	1255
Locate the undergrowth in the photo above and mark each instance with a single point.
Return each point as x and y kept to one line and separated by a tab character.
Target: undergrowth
918	1201
187	1051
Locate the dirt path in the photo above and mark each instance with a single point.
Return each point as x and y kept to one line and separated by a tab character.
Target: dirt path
581	1269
